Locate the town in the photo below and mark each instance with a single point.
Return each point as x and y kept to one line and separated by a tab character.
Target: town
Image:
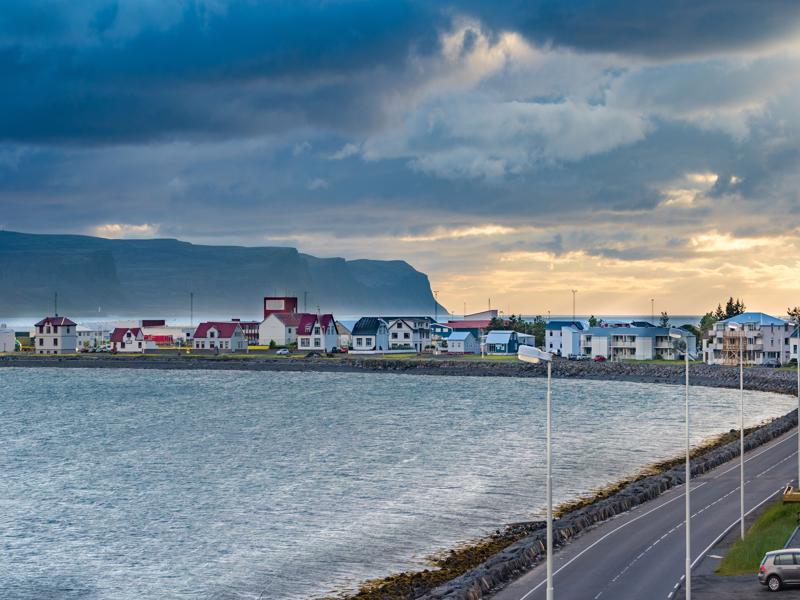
754	338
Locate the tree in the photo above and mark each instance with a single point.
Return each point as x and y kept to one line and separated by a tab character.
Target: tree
595	322
733	307
697	333
794	314
664	322
537	328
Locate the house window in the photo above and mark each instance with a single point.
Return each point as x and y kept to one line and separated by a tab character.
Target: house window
359	341
289	330
399	325
406	335
394	335
48	329
55	341
316	330
140	344
316	343
211	335
122	344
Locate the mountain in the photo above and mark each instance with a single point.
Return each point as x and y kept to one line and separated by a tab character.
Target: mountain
152	278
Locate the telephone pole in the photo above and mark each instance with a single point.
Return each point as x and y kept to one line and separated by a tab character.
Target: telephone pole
55	305
653	310
191	309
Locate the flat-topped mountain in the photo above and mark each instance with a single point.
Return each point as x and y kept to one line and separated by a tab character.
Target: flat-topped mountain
155	277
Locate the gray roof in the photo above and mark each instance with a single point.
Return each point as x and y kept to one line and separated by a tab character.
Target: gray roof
367	326
557	325
459	336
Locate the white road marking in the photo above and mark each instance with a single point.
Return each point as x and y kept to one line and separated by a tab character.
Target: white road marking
724	533
746	460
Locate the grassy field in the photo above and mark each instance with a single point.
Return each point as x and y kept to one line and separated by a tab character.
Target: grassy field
769	532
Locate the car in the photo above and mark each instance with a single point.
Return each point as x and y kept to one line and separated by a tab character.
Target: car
283	352
572	357
773	363
780	567
599	358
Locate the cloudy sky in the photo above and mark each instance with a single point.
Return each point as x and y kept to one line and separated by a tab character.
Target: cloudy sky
630	150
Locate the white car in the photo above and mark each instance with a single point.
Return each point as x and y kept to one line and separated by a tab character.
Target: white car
283	352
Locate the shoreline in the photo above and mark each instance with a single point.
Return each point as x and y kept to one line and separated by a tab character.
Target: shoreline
481	566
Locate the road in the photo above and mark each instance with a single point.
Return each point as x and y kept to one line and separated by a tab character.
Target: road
640	554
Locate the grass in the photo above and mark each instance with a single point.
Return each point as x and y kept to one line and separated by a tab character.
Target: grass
769	532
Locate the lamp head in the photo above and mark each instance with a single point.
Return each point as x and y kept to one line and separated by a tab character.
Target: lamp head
675	335
530	354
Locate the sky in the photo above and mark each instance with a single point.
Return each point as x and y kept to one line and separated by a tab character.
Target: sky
513	151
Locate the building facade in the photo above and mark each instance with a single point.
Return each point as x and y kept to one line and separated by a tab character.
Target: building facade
370	335
280	328
219	336
462	342
759	338
8	339
562	338
411	334
130	340
55	335
317	332
627	342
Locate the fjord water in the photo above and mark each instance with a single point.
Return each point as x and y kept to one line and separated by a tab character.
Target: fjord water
131	484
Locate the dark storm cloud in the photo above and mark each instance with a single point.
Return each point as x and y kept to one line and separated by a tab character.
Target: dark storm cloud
654	29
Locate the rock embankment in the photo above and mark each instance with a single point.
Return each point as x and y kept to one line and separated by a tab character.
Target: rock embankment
527	552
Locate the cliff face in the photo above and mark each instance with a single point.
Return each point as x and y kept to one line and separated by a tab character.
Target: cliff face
154	277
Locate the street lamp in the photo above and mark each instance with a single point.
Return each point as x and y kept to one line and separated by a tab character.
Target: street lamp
688	559
740	328
530	354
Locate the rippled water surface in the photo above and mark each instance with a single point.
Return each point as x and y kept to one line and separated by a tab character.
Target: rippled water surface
131	484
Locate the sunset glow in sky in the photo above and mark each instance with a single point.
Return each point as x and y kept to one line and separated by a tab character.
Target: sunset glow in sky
510	150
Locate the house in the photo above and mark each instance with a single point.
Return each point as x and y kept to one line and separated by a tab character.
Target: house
55	335
628	342
249	329
130	339
179	335
370	335
439	334
345	335
92	336
220	335
563	337
317	332
8	339
462	342
279	327
501	342
409	333
759	336
794	343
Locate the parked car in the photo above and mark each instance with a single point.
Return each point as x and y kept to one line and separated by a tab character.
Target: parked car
599	358
283	352
572	357
773	363
780	567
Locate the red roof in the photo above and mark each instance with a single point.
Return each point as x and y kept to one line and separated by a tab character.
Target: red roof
226	329
55	321
307	321
289	319
473	324
118	335
159	339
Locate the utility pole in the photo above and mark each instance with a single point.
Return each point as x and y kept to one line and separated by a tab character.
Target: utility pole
305	301
191	309
436	305
465	309
653	310
573	304
55	305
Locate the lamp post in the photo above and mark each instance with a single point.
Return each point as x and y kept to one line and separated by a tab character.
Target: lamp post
530	354
688	505
740	328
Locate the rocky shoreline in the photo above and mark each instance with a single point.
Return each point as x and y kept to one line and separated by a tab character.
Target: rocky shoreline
475	570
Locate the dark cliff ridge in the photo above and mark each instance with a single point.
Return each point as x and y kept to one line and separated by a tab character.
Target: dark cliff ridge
154	277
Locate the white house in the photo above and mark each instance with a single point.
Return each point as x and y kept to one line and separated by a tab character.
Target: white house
317	332
759	336
220	335
462	342
629	342
130	339
8	339
409	333
370	335
92	336
345	335
563	337
280	328
55	335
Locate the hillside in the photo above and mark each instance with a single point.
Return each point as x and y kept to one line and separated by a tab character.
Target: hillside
154	277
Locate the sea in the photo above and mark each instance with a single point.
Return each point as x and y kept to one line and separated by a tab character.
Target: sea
128	484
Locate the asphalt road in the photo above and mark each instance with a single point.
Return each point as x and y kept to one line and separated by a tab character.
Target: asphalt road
640	554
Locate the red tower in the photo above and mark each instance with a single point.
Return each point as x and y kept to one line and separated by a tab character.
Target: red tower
279	304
